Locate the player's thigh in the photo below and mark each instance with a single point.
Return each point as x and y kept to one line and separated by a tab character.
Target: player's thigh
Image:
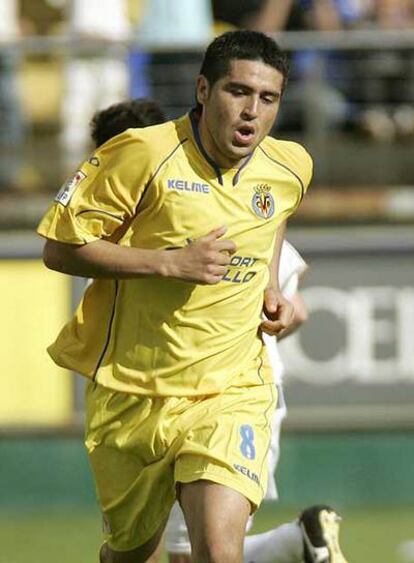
216	517
179	558
221	469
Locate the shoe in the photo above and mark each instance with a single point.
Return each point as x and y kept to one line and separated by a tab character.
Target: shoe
406	551
320	529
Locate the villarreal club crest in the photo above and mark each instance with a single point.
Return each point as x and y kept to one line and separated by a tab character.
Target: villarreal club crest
262	202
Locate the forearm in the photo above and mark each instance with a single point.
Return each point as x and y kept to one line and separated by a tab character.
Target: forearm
274	265
103	259
203	261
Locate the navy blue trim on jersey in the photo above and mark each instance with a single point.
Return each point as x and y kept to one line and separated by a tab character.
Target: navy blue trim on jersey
268	417
212	163
181	143
100	211
203	151
302	187
237	175
259	369
108	336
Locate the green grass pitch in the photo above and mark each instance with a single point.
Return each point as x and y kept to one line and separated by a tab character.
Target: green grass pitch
367	535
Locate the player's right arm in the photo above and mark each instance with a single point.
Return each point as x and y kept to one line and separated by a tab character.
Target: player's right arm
203	261
94	209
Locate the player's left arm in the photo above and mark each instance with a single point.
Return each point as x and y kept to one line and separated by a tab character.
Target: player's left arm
300	315
277	309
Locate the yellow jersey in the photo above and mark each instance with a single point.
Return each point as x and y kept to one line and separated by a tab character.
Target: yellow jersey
157	188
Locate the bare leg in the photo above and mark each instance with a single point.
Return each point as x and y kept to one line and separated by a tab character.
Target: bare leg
179	558
216	518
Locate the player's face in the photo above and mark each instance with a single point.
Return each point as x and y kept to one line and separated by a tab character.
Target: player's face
238	110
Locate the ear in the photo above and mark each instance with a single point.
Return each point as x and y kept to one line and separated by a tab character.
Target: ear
202	89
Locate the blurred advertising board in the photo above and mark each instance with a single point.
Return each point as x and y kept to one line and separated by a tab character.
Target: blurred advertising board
352	364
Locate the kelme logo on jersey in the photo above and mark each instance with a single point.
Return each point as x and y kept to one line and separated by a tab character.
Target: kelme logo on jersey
262	202
186	186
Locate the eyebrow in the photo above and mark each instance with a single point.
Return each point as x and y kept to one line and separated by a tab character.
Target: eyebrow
234	84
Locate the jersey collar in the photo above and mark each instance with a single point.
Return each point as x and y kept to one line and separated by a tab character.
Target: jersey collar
194	118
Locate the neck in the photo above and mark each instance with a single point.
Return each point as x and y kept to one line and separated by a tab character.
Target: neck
212	148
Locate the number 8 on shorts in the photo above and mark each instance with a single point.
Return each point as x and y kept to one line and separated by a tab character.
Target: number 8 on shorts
247	443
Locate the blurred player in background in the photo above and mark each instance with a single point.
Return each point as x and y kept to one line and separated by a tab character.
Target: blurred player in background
315	535
182	394
117	118
94	76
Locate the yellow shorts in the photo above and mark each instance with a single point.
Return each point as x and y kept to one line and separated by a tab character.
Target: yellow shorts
140	447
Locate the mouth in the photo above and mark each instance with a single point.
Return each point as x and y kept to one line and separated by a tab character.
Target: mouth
244	135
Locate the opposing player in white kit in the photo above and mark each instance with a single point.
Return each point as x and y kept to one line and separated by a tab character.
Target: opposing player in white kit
313	538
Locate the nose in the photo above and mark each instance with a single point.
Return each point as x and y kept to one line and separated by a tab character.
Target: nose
250	110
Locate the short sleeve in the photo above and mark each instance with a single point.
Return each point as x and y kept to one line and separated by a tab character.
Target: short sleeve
103	194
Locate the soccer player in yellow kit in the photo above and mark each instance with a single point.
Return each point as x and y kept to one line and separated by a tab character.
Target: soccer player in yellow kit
180	225
313	537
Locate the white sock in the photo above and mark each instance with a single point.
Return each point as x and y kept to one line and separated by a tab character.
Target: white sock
281	545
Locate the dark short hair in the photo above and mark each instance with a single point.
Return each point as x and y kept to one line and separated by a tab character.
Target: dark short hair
242	45
115	119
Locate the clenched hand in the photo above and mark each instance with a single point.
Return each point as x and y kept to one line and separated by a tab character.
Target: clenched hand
278	311
203	261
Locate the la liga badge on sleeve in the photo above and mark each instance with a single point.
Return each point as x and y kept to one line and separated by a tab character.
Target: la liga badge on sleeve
66	191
